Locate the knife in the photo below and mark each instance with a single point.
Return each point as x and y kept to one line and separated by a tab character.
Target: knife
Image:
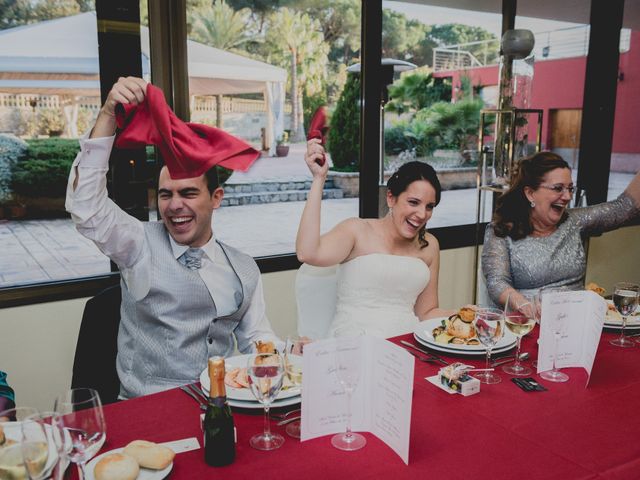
424	350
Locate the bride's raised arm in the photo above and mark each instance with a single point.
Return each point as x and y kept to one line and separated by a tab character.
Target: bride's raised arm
336	245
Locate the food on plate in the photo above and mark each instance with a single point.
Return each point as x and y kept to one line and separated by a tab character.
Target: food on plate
265	347
149	454
237	378
116	466
456	329
467	314
594	287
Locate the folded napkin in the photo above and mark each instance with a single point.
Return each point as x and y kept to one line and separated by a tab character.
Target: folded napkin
319	128
188	149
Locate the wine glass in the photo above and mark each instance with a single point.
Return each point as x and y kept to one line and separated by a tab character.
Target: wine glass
11	459
39	453
294	349
489	327
266	374
81	422
625	299
348	366
559	328
519	320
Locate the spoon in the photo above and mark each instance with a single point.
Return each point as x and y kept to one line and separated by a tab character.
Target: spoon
510	358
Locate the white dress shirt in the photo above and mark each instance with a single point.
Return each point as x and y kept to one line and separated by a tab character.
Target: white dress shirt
121	237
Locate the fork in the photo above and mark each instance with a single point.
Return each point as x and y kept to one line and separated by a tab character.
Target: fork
198	392
193	395
423	359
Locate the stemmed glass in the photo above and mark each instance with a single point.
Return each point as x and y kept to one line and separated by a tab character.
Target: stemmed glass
625	299
519	320
489	327
559	328
11	457
293	368
348	366
39	452
80	419
266	373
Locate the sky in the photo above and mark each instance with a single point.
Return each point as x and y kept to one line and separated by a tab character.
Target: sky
489	21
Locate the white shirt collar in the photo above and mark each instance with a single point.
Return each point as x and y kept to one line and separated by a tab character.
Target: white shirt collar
208	248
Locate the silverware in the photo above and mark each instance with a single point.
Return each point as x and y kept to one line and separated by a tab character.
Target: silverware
198	392
633	335
421	358
287	420
282	416
424	350
509	358
193	395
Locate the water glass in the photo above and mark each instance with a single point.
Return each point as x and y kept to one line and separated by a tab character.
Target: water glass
489	326
625	299
348	369
293	352
81	422
266	374
11	459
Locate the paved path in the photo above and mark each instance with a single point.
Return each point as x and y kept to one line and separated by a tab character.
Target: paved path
45	250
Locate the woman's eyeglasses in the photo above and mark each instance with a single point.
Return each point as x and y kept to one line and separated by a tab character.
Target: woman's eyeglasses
560	188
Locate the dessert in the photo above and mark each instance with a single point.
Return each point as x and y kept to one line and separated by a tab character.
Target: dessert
594	287
457	329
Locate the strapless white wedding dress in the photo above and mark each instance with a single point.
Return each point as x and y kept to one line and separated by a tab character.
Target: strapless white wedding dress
377	293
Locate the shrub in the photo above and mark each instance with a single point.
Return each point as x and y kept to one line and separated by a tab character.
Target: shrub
44	169
344	135
416	91
11	150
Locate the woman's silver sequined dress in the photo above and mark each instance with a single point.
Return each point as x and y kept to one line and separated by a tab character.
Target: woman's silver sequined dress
558	260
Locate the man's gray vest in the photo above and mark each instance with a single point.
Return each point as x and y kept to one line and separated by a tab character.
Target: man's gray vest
166	338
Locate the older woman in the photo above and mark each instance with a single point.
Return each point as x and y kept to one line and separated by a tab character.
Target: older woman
535	240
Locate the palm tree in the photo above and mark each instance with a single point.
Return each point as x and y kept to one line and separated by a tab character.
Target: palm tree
297	41
220	26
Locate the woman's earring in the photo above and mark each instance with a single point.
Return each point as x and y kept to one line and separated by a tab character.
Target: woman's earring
391	211
533	204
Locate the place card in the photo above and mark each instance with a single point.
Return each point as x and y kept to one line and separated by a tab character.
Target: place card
184	445
380	403
576	320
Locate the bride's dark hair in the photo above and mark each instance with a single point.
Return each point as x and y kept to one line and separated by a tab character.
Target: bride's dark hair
407	174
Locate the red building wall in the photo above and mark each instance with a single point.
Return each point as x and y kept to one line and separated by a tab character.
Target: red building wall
559	84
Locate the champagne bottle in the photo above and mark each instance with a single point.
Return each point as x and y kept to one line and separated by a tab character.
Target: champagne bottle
219	438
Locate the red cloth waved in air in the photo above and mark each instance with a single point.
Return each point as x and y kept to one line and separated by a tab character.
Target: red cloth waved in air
188	149
319	128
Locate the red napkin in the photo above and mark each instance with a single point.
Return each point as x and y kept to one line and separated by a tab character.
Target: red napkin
318	128
188	149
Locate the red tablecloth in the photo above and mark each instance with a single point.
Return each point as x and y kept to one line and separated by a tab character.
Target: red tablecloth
568	432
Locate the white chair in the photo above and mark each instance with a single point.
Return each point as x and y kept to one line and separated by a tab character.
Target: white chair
316	289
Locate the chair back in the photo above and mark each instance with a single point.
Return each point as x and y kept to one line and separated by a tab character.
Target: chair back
316	289
94	365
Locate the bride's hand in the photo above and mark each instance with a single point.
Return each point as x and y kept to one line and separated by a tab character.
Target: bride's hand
314	155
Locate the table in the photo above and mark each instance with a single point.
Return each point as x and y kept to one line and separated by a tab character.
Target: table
568	432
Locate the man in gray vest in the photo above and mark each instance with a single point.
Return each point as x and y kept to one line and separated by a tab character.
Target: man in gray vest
185	295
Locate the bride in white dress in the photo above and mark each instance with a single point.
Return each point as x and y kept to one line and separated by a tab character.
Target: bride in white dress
388	272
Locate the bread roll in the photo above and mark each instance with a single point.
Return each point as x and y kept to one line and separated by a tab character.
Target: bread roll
149	454
116	466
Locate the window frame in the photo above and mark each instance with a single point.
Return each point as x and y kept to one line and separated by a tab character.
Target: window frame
456	236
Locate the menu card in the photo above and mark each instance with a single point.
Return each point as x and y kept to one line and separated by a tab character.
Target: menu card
576	320
380	403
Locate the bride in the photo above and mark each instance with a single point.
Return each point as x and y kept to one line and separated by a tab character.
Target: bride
388	273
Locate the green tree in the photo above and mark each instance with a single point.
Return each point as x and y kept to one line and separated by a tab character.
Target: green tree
415	91
295	41
402	38
220	26
344	135
14	13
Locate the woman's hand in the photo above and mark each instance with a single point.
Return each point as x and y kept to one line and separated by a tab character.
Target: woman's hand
314	156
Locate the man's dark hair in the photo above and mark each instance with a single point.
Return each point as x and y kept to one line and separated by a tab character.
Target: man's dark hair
212	179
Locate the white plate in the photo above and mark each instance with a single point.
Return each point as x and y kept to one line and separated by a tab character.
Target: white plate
244	394
614	320
423	332
443	348
258	406
12	431
145	473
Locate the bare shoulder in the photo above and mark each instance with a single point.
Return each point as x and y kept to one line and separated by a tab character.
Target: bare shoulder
431	251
